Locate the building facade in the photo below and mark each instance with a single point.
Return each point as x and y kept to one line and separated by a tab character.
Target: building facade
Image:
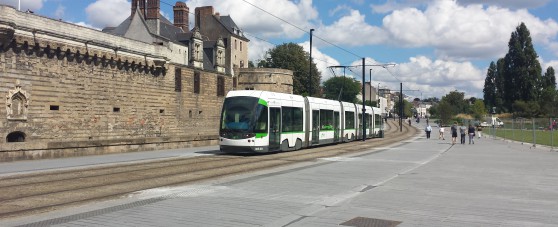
71	90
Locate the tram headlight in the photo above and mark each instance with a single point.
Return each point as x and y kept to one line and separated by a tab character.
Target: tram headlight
249	135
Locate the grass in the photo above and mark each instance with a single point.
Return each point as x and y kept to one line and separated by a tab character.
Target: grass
542	137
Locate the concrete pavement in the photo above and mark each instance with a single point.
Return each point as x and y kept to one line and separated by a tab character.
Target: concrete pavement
417	182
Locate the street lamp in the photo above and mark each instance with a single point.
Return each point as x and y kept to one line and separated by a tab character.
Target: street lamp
310	63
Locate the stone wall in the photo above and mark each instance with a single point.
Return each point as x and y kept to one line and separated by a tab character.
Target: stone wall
266	79
68	98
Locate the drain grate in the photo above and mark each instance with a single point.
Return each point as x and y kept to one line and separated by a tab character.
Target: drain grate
370	222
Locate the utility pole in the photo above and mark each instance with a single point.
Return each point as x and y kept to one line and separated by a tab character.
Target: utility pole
363	102
310	63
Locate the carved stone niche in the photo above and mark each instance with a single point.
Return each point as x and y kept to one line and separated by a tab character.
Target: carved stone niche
17	103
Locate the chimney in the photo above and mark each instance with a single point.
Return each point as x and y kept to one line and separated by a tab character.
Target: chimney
203	12
153	7
181	16
141	4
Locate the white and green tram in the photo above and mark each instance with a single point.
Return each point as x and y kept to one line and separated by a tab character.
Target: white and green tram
261	121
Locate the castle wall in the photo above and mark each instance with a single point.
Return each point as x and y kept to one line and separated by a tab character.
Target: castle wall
266	79
72	98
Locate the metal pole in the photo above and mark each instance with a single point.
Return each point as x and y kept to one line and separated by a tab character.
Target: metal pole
370	85
401	107
310	63
19	5
534	137
363	101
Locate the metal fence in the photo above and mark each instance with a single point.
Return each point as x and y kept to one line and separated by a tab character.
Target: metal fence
533	131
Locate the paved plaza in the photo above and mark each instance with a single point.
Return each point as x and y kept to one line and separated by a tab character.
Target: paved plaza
417	182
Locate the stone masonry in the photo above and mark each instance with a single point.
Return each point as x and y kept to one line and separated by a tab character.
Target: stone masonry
71	91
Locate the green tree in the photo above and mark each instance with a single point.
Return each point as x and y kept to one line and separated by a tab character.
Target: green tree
407	108
349	88
478	109
293	57
526	109
522	70
445	112
457	102
433	110
489	89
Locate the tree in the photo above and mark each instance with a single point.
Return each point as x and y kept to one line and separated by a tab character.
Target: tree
526	109
444	109
457	102
478	109
407	112
522	70
349	88
489	89
293	57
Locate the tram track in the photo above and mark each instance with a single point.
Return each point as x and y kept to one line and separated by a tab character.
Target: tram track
27	194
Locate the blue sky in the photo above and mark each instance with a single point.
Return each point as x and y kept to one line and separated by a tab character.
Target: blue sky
437	46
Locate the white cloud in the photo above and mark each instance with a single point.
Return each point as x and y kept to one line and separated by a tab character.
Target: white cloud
322	60
103	13
464	32
351	29
33	5
251	19
434	78
59	13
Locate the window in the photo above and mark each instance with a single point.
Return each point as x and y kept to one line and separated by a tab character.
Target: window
240	45
196	82
349	120
235	44
326	120
178	80
220	86
15	137
292	119
54	107
116	109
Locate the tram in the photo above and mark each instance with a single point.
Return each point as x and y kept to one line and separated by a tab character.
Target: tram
260	121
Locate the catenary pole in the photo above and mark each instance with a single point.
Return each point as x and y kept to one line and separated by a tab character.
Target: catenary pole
310	71
363	101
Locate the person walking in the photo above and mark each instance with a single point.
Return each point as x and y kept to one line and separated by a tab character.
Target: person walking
462	130
479	131
441	136
454	133
428	129
471	134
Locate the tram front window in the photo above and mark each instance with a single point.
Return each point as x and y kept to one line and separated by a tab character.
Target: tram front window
242	117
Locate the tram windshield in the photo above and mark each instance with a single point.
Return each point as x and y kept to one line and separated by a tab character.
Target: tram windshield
244	115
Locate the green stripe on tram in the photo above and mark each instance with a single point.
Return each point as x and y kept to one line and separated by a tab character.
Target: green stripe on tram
263	102
261	135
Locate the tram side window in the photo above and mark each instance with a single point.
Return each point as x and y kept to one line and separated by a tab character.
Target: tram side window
261	124
292	119
377	120
349	120
326	119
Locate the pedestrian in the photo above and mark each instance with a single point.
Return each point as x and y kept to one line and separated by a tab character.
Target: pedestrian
454	133
426	120
428	129
479	131
409	121
554	125
462	130
471	134
441	136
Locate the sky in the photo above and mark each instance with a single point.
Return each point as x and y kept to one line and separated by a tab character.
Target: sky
433	47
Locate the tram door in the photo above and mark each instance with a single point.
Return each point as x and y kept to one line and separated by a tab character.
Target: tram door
274	128
336	126
315	126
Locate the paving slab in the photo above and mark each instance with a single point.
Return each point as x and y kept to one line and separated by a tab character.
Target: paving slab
417	182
